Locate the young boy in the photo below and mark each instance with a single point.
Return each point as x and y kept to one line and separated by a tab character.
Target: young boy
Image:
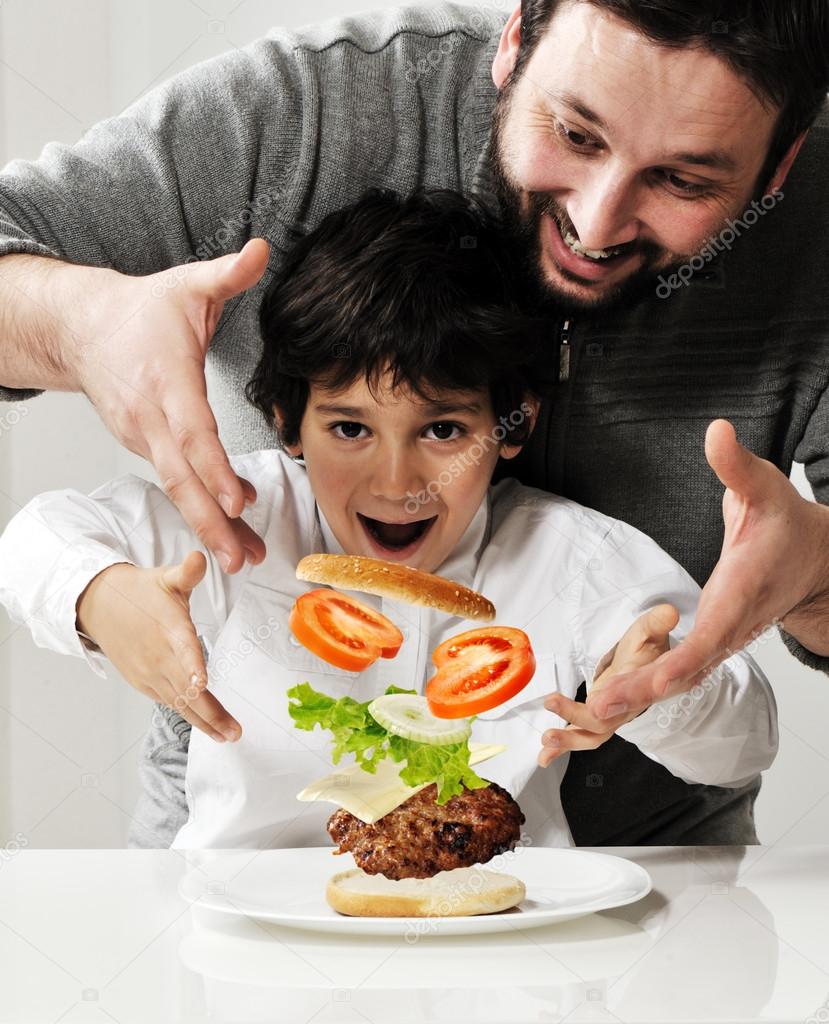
397	368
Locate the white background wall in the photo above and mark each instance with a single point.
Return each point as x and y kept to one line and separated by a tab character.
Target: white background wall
69	740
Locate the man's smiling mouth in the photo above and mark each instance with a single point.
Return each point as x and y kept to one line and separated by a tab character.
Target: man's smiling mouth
396	536
571	240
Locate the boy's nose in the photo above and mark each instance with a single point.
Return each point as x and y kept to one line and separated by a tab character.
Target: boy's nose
396	478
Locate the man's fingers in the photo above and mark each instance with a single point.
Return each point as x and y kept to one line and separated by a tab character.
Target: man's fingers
633	692
253	544
195	433
184	488
248	489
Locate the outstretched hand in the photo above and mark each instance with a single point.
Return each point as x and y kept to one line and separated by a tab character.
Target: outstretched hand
140	619
142	365
773	569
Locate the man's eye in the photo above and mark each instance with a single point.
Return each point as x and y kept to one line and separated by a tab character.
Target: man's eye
443	431
575	138
688	188
348	431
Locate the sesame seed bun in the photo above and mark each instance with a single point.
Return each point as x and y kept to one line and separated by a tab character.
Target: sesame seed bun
395	581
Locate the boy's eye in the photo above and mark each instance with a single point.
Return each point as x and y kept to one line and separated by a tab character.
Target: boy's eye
349	431
443	431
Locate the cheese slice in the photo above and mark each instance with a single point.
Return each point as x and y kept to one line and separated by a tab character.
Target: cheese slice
368	797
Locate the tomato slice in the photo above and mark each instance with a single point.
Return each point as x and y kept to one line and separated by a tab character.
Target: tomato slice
342	630
479	670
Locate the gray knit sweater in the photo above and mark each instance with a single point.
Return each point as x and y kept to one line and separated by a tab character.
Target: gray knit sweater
268	139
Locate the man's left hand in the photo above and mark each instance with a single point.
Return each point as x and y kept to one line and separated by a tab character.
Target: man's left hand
773	569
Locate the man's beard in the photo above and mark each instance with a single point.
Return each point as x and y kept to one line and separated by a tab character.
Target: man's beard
524	231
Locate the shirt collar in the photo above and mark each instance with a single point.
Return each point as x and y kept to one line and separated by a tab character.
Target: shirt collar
461	564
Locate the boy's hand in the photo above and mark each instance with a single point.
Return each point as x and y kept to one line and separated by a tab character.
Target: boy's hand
643	643
140	618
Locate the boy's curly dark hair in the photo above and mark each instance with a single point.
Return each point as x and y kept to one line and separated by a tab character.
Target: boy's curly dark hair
423	286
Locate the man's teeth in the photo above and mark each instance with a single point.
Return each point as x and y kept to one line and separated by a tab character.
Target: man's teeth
591	254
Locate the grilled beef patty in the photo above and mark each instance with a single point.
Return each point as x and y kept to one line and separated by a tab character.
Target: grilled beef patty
420	838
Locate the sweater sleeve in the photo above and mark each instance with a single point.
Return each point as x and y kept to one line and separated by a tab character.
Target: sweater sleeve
61	540
179	176
813	453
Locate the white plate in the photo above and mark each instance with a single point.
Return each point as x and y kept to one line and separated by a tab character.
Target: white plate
288	888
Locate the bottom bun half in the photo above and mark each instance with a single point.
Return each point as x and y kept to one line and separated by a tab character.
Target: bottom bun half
458	893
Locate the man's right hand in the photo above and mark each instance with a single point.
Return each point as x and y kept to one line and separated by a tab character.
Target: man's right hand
141	363
140	619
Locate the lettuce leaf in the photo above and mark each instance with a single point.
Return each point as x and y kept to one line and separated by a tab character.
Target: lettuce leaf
356	732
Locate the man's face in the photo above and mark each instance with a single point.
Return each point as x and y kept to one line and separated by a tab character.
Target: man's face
612	144
397	477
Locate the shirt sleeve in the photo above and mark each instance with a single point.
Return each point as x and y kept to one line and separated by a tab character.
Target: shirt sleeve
190	171
724	731
60	540
813	452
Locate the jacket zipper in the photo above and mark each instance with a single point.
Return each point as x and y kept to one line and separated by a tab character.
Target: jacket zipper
564	352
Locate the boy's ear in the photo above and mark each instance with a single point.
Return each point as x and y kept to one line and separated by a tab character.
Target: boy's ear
294	450
529	407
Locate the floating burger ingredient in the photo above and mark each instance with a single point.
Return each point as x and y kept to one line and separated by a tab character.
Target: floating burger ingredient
415	829
399	582
342	630
479	670
422	820
422	837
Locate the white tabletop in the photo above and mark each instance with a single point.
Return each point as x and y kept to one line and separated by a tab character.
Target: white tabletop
727	934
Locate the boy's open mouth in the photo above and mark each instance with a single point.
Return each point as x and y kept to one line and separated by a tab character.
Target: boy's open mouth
396	536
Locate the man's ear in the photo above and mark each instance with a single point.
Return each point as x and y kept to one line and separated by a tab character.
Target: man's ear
529	408
507	53
294	450
785	164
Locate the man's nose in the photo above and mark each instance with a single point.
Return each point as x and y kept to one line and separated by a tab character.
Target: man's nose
603	211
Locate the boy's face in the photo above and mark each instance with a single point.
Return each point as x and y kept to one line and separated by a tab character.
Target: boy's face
397	477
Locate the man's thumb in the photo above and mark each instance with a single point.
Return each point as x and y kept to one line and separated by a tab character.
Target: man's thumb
222	278
732	463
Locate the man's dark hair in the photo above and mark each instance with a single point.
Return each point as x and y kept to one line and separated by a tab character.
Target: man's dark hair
779	47
424	286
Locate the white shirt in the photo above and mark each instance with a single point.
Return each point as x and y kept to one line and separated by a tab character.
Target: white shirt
570	577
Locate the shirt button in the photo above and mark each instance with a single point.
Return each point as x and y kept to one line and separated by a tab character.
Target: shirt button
595	349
